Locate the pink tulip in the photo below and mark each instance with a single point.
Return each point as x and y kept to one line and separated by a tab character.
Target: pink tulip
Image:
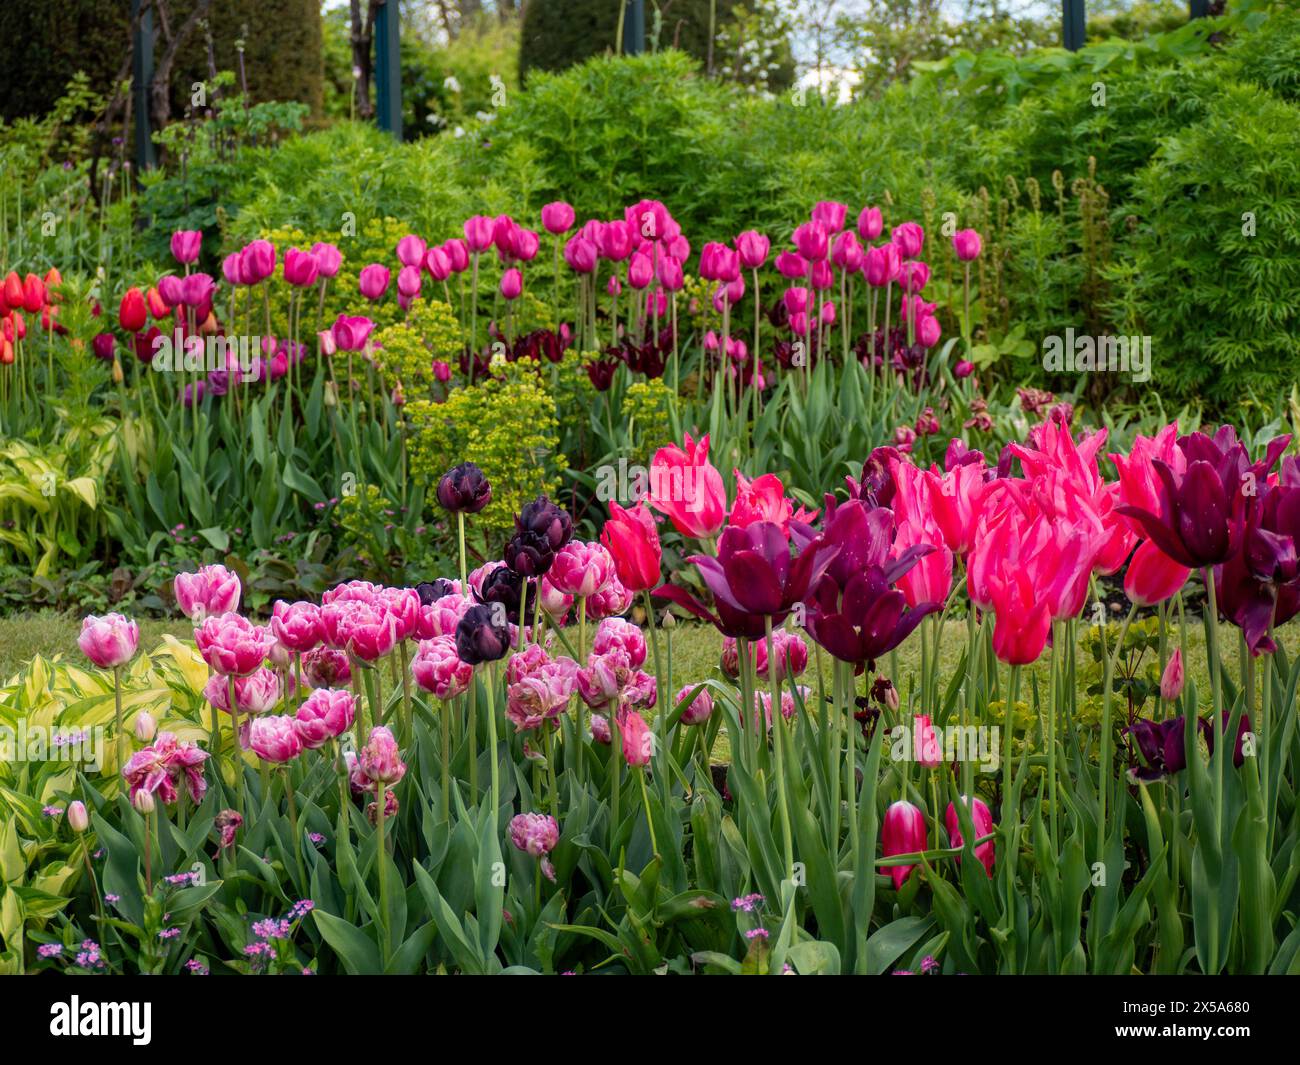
638	740
539	692
274	738
830	215
478	232
870	223
232	269
928	331
526	245
640	271
847	253
300	268
408	281
610	601
328	258
792	266
438	264
812	241
351	333
296	625
232	645
324	715
537	835
909	237
687	488
366	631
458	253
981	821
255	694
437	668
966	243
904	832
326	667
160	769
926	749
1153	576
185	245
257	261
373	281
698	710
212	590
109	641
581	255
381	761
441	617
410	250
618	632
670	274
753	249
512	284
557	217
581	569
882	265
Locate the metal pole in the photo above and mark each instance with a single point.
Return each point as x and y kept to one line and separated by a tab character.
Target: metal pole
634	28
388	68
141	76
1073	25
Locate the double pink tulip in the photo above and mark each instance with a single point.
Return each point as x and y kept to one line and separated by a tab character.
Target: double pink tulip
109	641
212	590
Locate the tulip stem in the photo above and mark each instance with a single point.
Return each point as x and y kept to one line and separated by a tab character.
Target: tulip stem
446	761
236	755
344	804
408	728
649	820
117	717
778	737
303	885
381	856
490	688
615	772
580	733
473	739
1105	757
1212	649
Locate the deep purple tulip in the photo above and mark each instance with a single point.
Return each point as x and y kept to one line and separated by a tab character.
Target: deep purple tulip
479	638
1163	745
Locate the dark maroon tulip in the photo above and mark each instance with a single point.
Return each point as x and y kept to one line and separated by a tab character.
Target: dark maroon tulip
464	489
545	519
1260	586
102	345
504	586
1203	514
431	591
1243	726
1163	745
529	554
482	635
754	578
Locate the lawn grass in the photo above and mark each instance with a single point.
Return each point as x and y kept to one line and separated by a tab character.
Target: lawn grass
696	648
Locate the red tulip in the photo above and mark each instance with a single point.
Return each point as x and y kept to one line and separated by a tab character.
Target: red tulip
1153	576
631	538
132	313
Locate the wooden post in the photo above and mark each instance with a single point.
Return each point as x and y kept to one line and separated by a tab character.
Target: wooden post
141	79
1074	29
388	68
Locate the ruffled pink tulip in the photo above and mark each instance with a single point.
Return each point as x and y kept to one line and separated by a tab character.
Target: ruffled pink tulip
232	645
274	738
109	641
324	715
212	590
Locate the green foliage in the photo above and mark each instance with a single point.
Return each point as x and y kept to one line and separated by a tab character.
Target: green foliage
507	425
406	351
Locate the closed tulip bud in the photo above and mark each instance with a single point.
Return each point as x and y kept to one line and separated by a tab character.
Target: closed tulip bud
963	369
981	821
753	249
438	263
410	250
143	802
581	254
638	740
640	271
102	345
1171	680
408	281
145	726
908	237
78	820
812	241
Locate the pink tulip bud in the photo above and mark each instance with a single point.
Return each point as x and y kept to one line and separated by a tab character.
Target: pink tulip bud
78	820
811	240
145	726
1171	680
300	268
185	245
324	715
640	271
408	281
458	252
909	237
699	710
438	263
638	740
982	821
581	255
143	802
328	258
